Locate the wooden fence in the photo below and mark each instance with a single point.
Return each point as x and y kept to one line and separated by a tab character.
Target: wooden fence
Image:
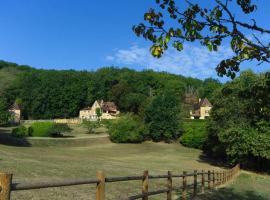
200	180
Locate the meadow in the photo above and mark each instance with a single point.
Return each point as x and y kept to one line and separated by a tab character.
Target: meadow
55	159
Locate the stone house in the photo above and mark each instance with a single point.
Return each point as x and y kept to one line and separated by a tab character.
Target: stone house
201	110
15	111
108	111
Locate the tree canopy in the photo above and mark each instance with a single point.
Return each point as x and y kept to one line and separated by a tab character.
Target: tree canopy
239	128
46	94
173	24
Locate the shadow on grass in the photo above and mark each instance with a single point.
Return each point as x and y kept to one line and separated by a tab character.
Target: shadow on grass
215	162
230	194
7	139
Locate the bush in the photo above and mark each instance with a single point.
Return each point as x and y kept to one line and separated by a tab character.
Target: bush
48	129
195	133
59	129
127	129
91	126
20	132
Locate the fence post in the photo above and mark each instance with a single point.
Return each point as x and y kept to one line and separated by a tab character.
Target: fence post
169	186
145	185
195	183
100	190
219	178
214	181
209	179
203	182
184	189
5	186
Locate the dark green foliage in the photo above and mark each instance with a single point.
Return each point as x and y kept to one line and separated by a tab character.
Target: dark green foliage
47	94
20	132
194	134
163	117
209	85
239	126
52	94
127	129
91	126
4	114
59	129
98	113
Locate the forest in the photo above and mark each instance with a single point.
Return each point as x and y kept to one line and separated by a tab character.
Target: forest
47	94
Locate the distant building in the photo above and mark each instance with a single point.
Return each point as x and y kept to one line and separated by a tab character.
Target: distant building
15	111
108	111
201	109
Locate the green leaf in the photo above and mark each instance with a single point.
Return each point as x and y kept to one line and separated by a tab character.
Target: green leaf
210	46
167	38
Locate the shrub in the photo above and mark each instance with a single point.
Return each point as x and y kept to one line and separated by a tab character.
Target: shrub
41	129
59	129
195	133
91	126
127	129
20	132
48	129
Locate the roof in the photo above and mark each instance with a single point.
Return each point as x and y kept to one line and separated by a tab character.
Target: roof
106	106
109	106
15	106
205	103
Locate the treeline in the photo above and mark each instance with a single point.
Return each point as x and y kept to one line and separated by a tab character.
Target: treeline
239	126
45	94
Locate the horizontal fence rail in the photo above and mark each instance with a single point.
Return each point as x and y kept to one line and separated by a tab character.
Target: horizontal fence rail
201	180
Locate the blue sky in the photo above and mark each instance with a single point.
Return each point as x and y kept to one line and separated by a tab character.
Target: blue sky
83	34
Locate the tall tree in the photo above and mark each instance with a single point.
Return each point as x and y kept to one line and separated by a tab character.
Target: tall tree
239	125
210	26
163	117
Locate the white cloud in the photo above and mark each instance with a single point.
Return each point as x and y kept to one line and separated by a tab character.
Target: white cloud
192	61
110	58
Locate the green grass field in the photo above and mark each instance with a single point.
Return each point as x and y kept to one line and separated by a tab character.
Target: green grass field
59	162
247	186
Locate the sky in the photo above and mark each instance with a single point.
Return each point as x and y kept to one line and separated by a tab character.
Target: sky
87	35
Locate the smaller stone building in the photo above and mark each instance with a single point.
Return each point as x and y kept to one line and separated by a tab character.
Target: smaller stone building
108	111
201	110
15	111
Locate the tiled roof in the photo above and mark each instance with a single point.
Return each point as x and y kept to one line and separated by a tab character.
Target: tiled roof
109	106
15	106
204	102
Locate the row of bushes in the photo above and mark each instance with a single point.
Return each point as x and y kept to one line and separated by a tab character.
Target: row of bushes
41	129
130	129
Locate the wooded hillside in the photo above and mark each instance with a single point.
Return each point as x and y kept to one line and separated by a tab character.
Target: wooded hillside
45	94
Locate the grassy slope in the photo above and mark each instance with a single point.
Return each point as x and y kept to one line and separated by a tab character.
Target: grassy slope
35	163
46	163
247	186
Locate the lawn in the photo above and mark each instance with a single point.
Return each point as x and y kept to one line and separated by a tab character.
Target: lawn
247	186
37	163
40	163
